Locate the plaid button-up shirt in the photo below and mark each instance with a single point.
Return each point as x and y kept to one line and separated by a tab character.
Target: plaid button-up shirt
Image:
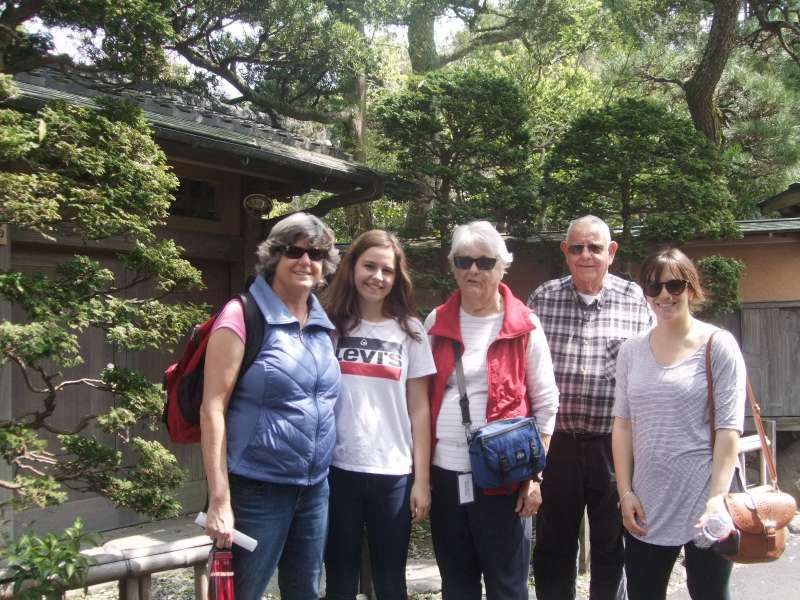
584	342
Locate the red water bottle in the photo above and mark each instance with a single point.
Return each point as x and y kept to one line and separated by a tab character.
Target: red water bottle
220	575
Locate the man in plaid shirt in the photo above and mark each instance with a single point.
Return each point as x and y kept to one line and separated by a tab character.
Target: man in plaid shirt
586	316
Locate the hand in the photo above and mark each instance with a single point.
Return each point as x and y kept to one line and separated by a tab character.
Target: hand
714	506
529	498
219	524
633	514
420	501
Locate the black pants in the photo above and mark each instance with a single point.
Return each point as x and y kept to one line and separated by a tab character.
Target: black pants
485	537
579	474
648	567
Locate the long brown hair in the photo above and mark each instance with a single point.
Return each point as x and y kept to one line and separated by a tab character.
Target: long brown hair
341	298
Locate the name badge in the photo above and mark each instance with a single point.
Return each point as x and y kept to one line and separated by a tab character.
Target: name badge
466	493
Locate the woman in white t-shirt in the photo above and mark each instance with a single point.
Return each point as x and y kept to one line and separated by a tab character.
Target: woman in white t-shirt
379	477
669	479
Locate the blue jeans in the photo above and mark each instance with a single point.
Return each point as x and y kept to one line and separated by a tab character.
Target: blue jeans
290	523
485	538
381	502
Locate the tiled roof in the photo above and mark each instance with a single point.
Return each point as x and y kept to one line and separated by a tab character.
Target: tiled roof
787	202
189	118
769	226
748	227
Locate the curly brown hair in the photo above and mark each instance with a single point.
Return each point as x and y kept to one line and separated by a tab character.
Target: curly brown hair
341	298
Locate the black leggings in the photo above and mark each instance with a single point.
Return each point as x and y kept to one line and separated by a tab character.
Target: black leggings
648	567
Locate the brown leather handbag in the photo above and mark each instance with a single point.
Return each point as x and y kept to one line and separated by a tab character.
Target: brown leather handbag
760	514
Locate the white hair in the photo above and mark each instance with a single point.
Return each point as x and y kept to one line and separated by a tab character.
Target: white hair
592	220
480	233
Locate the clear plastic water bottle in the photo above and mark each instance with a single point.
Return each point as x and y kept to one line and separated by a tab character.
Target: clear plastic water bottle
718	526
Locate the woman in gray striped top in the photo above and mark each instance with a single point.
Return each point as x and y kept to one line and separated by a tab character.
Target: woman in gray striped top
670	482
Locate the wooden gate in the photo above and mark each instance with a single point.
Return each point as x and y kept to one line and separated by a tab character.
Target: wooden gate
770	339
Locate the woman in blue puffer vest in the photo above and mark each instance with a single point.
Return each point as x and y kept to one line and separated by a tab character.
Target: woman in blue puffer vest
268	440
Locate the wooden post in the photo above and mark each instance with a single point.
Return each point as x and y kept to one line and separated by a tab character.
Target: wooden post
365	580
583	545
770	429
6	408
129	589
145	587
201	581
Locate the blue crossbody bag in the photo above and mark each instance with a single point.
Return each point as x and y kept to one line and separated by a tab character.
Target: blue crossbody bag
502	452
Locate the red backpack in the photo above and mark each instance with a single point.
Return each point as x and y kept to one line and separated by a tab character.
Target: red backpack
183	380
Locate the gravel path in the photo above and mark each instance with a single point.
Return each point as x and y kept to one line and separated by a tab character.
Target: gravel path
179	584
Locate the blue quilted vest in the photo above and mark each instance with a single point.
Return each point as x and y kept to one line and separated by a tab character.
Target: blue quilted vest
280	424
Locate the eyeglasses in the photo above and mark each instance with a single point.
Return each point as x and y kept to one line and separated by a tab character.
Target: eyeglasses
674	286
485	263
577	249
292	251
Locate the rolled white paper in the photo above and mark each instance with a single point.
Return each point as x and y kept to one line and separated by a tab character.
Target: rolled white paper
239	538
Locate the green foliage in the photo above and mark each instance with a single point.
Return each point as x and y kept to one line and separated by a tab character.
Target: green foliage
720	277
98	171
6	87
762	100
643	170
430	273
134	34
90	174
44	567
462	132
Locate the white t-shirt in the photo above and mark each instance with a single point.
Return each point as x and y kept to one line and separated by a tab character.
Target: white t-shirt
373	428
478	333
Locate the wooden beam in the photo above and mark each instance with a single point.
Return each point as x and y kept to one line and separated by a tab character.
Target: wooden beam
202	245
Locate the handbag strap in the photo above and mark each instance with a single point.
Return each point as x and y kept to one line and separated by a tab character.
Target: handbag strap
755	411
463	399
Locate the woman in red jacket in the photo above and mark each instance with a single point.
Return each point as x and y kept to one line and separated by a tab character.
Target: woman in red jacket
508	373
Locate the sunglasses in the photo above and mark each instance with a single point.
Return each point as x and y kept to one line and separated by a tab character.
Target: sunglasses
674	287
577	249
485	263
292	251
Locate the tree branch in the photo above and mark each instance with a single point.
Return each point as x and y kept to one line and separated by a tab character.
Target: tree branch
644	76
82	424
24	368
92	383
38	61
261	99
487	39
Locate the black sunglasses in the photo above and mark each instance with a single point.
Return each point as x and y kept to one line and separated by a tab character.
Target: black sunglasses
577	249
293	251
485	263
674	287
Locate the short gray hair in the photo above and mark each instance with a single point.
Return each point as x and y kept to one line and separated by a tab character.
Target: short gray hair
591	219
480	233
286	232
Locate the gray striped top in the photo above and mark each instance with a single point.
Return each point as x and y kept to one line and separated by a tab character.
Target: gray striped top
668	408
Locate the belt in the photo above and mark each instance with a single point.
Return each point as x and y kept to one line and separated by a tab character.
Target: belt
582	435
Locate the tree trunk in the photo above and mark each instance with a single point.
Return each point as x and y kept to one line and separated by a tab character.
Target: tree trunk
701	87
421	39
423	57
359	216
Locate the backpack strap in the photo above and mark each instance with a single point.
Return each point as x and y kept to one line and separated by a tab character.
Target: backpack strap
254	330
